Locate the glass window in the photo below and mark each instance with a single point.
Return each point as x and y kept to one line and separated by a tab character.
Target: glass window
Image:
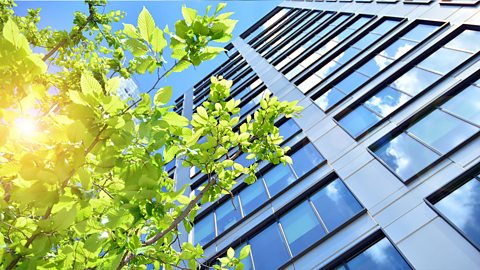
278	178
288	128
442	131
204	230
466	104
227	214
405	156
305	159
268	248
253	196
329	98
382	255
420	32
468	40
375	65
398	48
302	227
242	159
462	208
366	40
415	81
335	204
385	26
247	262
386	101
350	83
444	60
358	121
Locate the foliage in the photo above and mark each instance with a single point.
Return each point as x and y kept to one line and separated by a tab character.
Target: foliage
81	172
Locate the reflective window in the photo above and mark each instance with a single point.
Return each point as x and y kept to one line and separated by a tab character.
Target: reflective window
466	104
278	178
302	227
227	214
268	248
381	255
462	208
431	136
242	159
288	128
253	196
412	82
358	121
374	65
335	204
204	230
305	159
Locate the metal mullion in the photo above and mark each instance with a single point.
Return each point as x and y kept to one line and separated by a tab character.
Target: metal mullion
372	111
282	232
457	116
322	223
411	135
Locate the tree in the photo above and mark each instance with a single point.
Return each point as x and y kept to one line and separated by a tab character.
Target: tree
81	172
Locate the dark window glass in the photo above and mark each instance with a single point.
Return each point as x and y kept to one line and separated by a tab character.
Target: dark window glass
358	121
442	131
462	208
204	230
420	32
253	196
386	101
227	214
305	159
278	178
335	204
329	98
302	227
444	60
288	128
382	255
268	248
415	81
466	104
405	156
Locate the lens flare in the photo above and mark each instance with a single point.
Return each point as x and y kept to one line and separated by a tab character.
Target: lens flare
26	127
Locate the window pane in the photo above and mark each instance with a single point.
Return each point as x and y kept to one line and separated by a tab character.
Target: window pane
335	204
365	41
415	81
242	159
330	98
444	60
466	104
253	196
302	227
358	121
382	255
375	65
227	215
288	128
305	159
420	32
405	156
442	131
462	207
385	26
204	230
268	248
398	48
386	101
247	262
347	55
278	178
468	40
352	82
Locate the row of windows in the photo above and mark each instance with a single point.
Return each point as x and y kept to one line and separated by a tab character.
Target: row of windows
250	197
325	48
376	105
312	218
277	16
432	136
373	65
274	30
344	55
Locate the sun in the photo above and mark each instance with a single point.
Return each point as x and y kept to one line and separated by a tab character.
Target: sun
26	127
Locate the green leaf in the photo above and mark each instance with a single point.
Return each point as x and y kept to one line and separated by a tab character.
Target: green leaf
89	84
220	6
230	253
174	119
13	35
158	40
244	252
162	96
189	14
112	85
180	66
130	30
181	29
146	24
136	47
202	112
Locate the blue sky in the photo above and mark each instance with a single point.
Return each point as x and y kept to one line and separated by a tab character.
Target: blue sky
58	15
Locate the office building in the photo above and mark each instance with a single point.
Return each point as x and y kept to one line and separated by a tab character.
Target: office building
128	89
386	154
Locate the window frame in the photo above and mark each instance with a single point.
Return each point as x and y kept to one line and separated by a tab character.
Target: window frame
319	91
457	88
241	186
254	27
400	72
342	47
275	217
449	188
